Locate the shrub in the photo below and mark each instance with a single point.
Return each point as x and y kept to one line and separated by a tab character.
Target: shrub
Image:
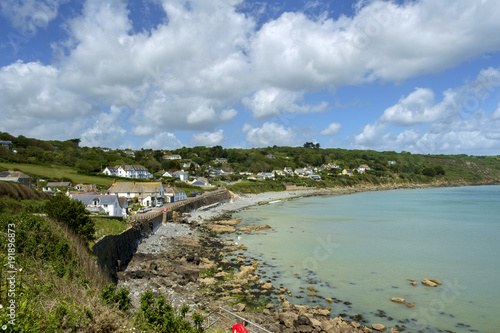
110	295
73	214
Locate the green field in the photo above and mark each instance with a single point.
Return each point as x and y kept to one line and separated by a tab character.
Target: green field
58	172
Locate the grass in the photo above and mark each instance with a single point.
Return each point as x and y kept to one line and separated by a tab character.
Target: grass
58	172
108	226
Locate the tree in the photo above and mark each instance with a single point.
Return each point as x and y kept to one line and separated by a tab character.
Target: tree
73	214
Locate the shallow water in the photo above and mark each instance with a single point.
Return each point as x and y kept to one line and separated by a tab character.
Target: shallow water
362	248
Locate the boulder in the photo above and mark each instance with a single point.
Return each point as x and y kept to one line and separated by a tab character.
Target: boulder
239	307
303	320
414	284
398	300
287	319
428	283
329	300
378	327
267	286
410	305
436	281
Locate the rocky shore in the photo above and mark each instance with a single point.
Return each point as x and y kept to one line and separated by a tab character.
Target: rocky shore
191	264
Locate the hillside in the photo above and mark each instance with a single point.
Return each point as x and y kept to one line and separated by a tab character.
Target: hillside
66	161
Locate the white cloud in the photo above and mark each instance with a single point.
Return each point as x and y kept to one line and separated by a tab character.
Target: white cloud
106	131
33	102
271	102
208	139
163	140
456	124
270	134
383	41
332	129
30	15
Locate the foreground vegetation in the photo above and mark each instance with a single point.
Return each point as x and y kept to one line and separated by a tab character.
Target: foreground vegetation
49	281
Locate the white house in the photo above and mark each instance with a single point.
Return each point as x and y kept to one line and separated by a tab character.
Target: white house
128	171
172	157
266	175
137	190
97	203
391	162
174	194
279	172
363	167
288	170
300	172
200	181
347	172
315	177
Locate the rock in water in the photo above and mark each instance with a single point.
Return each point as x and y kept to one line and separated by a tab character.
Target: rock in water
436	281
378	327
398	300
428	283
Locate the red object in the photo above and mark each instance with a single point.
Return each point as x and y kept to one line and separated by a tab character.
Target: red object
164	209
239	328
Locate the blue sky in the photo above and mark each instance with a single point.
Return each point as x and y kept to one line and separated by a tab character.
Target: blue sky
419	76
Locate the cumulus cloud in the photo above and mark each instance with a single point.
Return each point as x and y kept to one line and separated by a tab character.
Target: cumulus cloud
270	134
332	129
30	15
163	140
208	139
33	102
106	129
456	124
271	102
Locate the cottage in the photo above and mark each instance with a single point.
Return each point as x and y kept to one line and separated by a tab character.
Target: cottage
172	157
15	176
315	177
257	177
85	188
362	168
279	172
200	181
288	170
267	175
57	186
7	144
300	172
128	171
391	162
138	190
220	160
98	203
174	194
347	172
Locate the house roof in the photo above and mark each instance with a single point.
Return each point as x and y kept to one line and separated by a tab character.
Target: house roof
133	187
173	190
88	199
133	167
58	184
13	174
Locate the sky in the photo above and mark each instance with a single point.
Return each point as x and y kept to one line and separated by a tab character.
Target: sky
421	76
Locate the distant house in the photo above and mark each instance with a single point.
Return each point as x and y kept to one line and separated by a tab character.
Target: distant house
129	153
256	177
347	172
106	149
267	175
174	194
220	160
279	172
15	176
138	190
391	162
7	144
85	188
288	170
189	164
363	167
99	203
54	186
200	181
128	171
300	172
315	177
271	156
172	157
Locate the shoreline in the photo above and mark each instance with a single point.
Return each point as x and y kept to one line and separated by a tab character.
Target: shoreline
190	265
242	201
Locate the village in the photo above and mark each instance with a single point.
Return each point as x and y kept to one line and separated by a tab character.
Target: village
147	191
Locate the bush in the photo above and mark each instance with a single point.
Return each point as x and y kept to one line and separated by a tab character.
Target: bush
110	295
73	214
162	316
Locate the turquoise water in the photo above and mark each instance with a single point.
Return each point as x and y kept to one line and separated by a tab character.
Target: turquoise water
360	249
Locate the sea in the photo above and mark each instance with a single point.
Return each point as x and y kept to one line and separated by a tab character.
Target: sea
363	249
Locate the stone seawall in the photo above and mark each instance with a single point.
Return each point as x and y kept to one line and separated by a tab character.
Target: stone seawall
114	252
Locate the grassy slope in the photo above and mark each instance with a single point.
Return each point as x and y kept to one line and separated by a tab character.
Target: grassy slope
58	172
